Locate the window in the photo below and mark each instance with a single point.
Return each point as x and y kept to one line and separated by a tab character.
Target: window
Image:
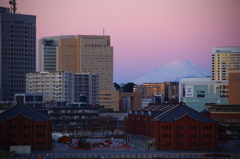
180	127
193	127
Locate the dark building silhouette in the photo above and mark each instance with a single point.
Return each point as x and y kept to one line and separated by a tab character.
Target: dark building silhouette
17	52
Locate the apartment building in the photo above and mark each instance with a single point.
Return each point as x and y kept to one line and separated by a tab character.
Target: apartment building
86	84
55	86
17	52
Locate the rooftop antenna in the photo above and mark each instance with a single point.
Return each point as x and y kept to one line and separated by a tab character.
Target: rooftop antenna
13	4
103	32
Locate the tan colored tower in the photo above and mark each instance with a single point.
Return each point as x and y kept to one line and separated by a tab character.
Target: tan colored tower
79	54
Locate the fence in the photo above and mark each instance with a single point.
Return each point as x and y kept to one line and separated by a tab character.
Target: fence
123	156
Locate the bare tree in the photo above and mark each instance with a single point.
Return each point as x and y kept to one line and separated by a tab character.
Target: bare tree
93	126
108	122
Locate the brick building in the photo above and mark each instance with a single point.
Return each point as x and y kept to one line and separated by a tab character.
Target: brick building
22	125
171	127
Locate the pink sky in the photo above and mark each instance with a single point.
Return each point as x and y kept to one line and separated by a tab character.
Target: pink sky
145	34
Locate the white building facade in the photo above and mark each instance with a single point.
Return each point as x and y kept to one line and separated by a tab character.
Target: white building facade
55	86
196	92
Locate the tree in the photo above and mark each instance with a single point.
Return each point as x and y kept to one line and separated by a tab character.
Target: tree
128	87
93	126
108	122
117	86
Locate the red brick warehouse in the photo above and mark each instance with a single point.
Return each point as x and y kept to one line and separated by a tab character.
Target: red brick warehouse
171	127
22	125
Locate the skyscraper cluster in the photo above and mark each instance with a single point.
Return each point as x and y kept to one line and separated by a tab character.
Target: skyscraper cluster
89	57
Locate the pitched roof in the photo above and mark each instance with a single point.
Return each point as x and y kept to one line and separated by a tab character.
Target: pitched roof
159	107
180	111
25	111
205	111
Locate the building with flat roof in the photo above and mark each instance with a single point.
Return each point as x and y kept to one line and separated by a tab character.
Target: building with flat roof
17	52
79	54
64	86
109	100
171	91
223	59
149	90
55	86
86	84
196	92
130	100
234	86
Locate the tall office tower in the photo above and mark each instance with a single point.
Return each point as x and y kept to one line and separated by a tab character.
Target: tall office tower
79	54
224	58
17	52
47	52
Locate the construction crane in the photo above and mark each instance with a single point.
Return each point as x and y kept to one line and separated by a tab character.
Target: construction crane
13	4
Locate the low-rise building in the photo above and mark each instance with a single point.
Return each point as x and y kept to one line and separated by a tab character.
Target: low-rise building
74	120
196	92
149	90
109	100
171	127
22	125
130	100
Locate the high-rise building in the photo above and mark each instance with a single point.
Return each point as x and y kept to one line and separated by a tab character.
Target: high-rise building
224	58
79	54
17	52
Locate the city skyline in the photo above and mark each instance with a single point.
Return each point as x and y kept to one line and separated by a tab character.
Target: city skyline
145	35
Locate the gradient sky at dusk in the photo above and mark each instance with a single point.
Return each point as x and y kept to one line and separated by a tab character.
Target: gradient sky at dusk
145	34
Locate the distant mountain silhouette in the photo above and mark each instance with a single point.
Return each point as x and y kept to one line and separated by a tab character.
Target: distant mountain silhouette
173	72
